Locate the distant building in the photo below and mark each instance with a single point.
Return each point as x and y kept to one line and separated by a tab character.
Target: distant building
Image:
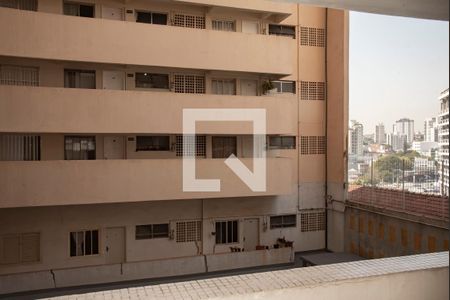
356	137
398	142
425	148
443	120
431	130
405	127
419	137
380	134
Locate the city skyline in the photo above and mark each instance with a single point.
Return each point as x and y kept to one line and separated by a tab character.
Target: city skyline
385	56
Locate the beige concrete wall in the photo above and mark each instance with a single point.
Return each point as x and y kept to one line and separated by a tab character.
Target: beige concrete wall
104	111
109	181
85	39
337	124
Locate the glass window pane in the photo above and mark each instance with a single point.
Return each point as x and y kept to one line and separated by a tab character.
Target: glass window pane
144	17
143	232
86	11
94	241
160	19
160	230
88	241
73	244
235	232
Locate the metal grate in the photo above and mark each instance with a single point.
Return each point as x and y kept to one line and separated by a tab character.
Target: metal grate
18	75
312	221
312	90
189	231
189	84
200	145
314	37
190	21
313	145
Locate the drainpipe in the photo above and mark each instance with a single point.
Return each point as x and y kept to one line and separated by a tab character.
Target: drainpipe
326	129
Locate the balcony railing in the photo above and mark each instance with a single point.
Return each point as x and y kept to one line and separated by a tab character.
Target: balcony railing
42	183
26	34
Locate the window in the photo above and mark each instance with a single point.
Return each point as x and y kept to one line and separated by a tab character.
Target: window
311	90
84	243
152	143
19	75
79	147
189	231
151	18
222	25
79	9
152	231
193	84
19	248
282	142
20	4
310	36
313	145
223	146
200	145
312	221
284	86
152	81
224	86
79	79
283	221
190	21
227	232
282	30
20	147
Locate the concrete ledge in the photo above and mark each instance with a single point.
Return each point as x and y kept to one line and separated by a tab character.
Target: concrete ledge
164	268
26	282
239	260
88	275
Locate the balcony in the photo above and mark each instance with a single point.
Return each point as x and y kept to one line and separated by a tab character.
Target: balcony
56	110
26	34
44	183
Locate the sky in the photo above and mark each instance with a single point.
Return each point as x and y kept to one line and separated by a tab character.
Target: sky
398	67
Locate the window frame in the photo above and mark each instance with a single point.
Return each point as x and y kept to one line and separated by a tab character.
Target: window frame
137	149
79	4
282	83
223	21
89	152
281	33
76	232
151	236
150	75
222	81
283	224
151	16
215	138
281	145
79	71
235	239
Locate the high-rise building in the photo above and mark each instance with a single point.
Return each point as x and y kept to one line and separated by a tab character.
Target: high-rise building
431	129
405	127
398	142
356	138
92	95
443	120
380	134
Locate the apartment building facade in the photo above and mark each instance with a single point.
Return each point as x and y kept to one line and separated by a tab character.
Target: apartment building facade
443	120
91	102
